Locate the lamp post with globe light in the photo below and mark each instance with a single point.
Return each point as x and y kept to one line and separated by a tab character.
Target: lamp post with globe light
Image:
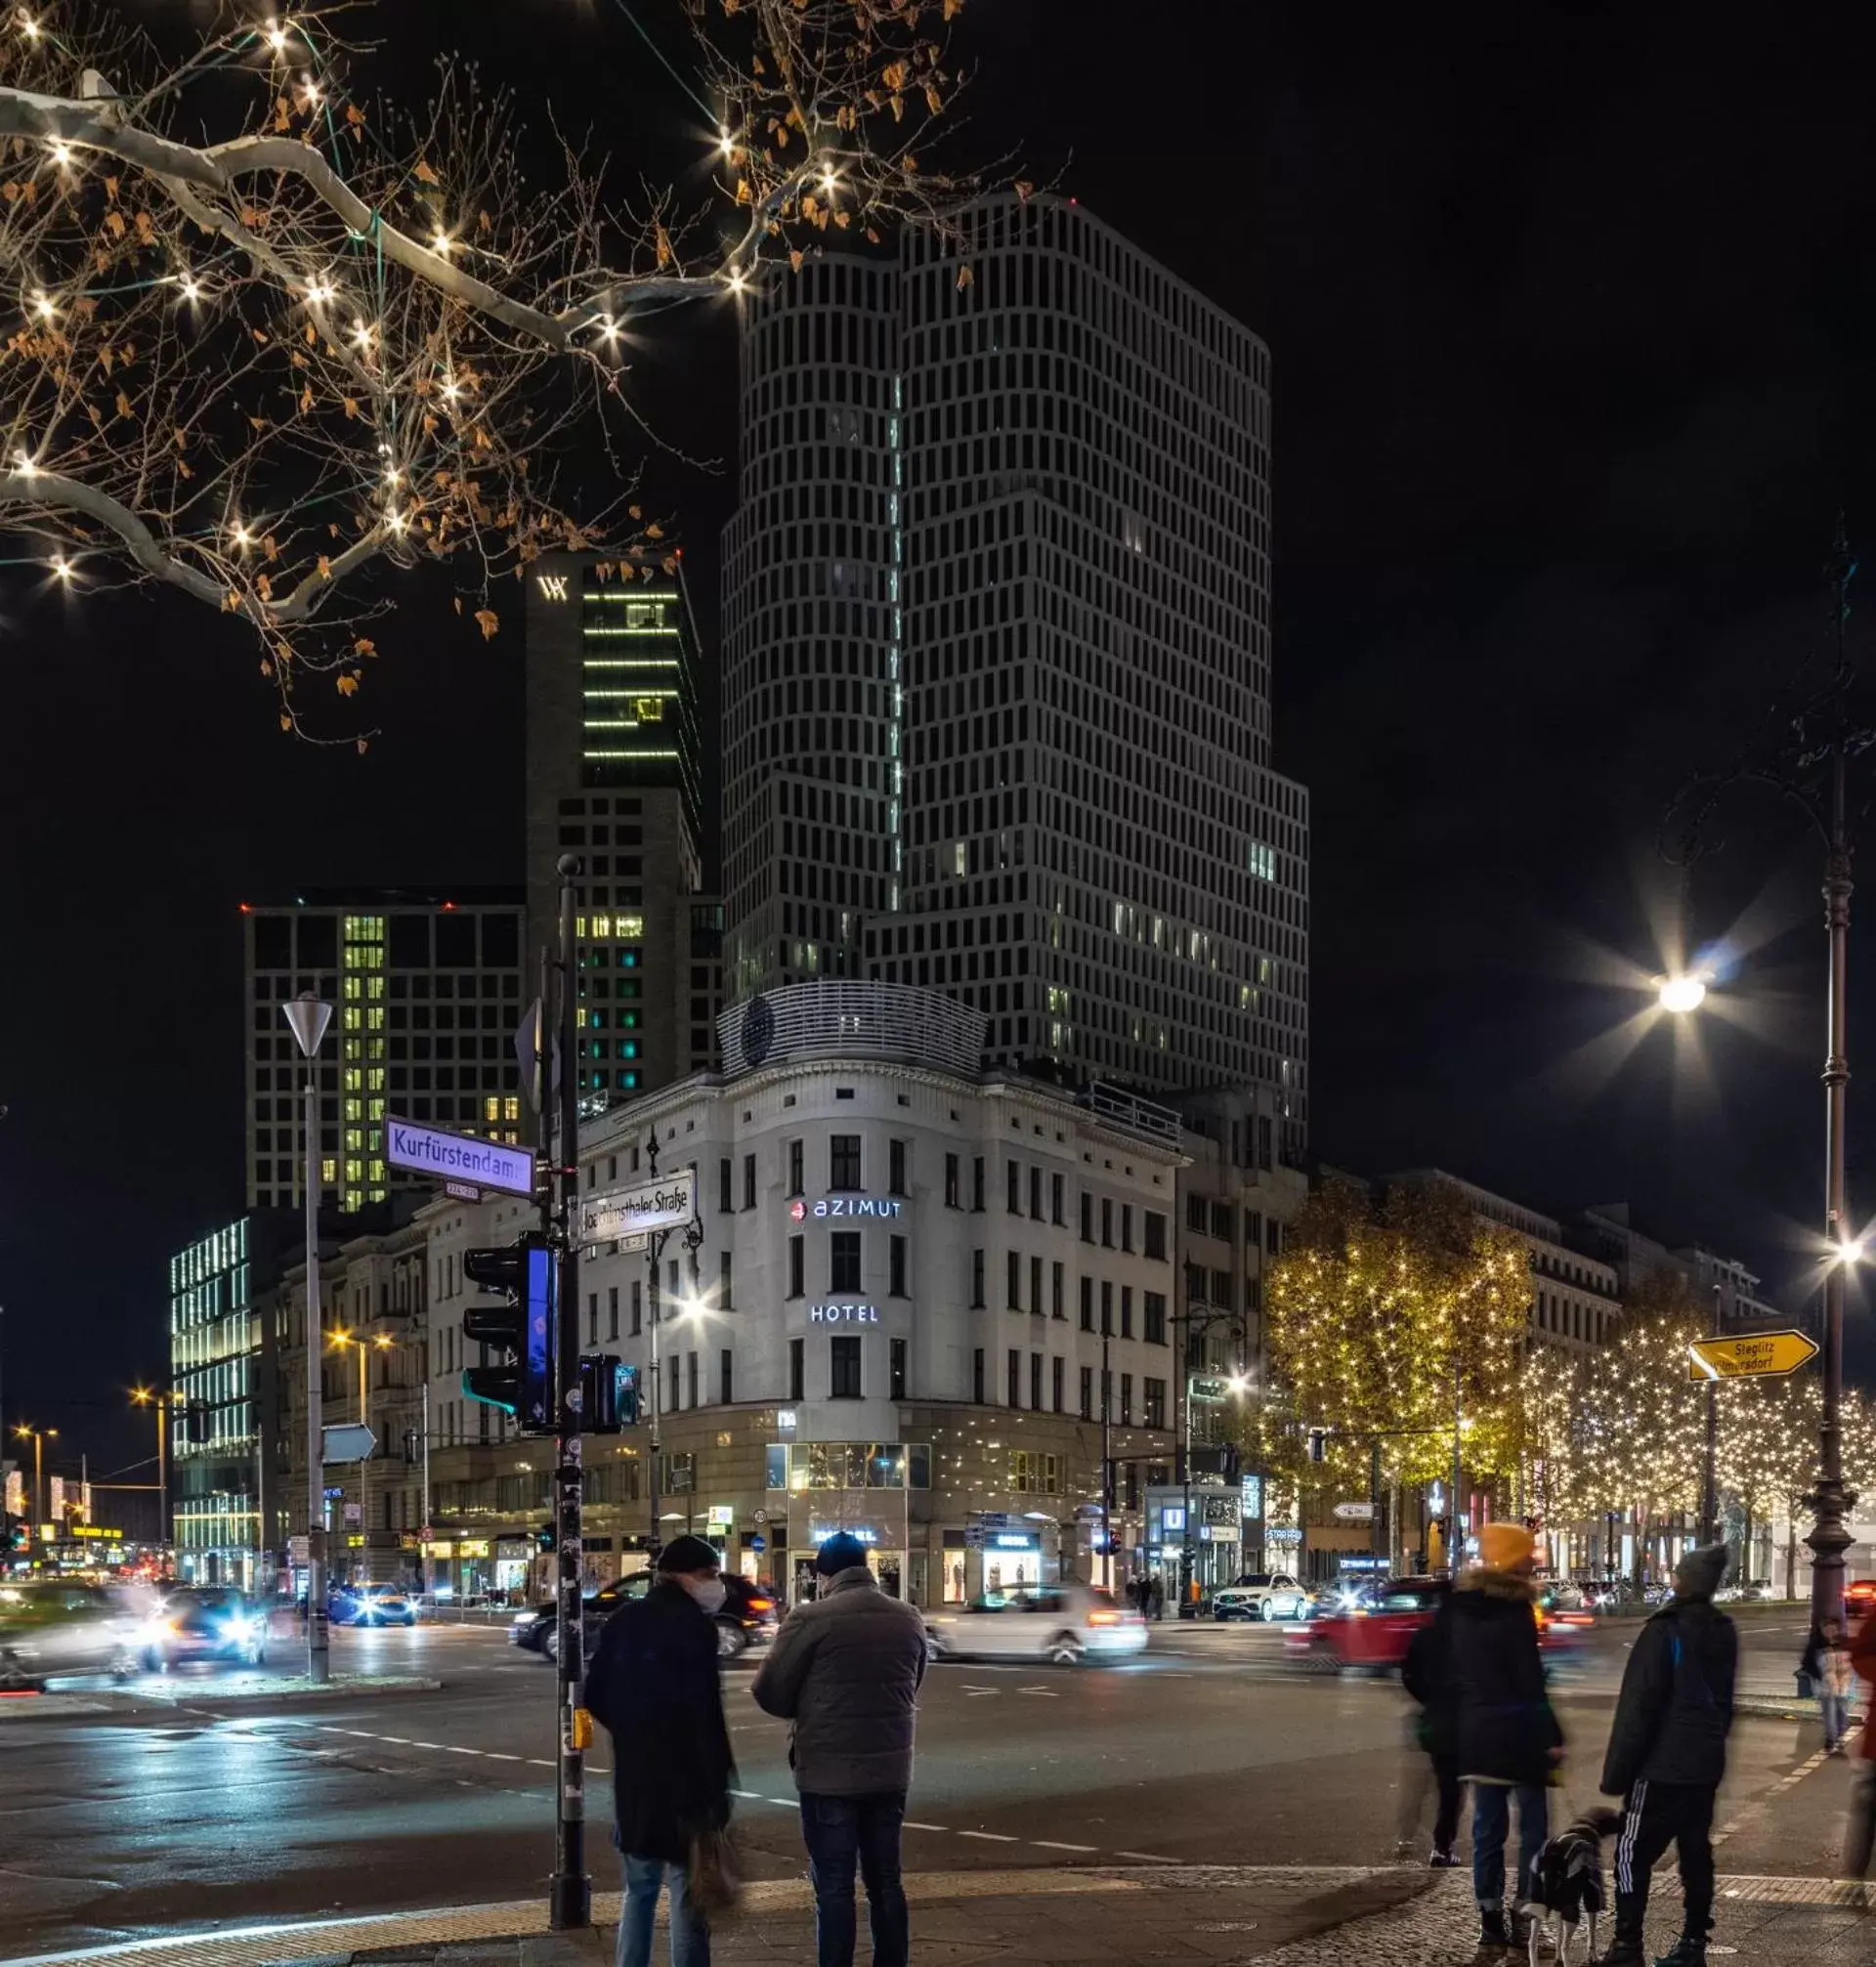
307	1018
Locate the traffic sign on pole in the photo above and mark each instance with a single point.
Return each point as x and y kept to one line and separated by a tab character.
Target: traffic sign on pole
1749	1356
1205	1388
349	1443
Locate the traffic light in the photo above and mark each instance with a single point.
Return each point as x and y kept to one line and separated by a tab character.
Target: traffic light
520	1332
1318	1444
607	1394
544	1538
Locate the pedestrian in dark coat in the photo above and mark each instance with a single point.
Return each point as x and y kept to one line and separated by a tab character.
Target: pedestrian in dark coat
653	1684
1427	1675
1508	1743
1862	1795
1666	1753
845	1671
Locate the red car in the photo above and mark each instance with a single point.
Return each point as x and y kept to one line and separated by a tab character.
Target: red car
1859	1598
1376	1633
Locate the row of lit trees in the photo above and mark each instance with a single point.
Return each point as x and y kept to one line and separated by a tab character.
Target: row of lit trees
1393	1320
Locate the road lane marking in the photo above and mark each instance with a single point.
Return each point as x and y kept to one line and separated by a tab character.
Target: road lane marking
990	1836
1148	1858
910	1826
1049	1844
500	1755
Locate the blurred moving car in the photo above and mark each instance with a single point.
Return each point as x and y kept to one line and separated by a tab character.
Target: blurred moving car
49	1627
1374	1635
212	1622
371	1605
1062	1623
748	1616
1259	1594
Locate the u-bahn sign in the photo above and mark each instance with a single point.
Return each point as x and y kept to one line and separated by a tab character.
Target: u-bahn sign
1749	1356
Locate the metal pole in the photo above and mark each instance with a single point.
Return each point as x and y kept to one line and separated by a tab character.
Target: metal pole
162	1468
364	1468
1186	1477
1374	1497
656	1247
1710	1479
1830	1535
318	1642
1107	1473
423	1558
1455	1537
571	1888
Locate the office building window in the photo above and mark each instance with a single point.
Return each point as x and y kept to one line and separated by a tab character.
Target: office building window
1195	1214
725	1191
725	1376
976	1280
592	1318
1014	1297
676	1366
796	1369
690	1375
896	1266
798	1267
1088	1218
1153	1303
1153	1393
1055	1199
951	1197
1107	1308
1036	1285
1013	1199
843	1261
638	1310
1127	1225
1055	1375
843	1163
843	1367
724	1302
1056	1280
1126	1397
977	1184
977	1375
1127	1311
896	1167
1036	1193
1107	1223
612	1311
1036	1382
796	1174
1087	1393
748	1181
1087	1304
1154	1240
896	1370
1013	1380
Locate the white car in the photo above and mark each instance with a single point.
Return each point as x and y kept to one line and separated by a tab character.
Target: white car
1064	1623
1260	1595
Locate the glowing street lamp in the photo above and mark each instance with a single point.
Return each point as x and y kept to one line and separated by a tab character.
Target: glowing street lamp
1683	993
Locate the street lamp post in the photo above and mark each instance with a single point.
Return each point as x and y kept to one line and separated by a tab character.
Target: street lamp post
1819	734
306	1018
38	1437
654	1255
142	1396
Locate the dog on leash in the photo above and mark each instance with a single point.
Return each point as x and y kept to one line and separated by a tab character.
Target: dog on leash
1566	1886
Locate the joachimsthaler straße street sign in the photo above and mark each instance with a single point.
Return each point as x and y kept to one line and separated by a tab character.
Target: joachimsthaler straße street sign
459	1158
1749	1356
665	1202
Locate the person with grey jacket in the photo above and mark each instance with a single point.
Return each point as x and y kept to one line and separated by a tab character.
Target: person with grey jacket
845	1669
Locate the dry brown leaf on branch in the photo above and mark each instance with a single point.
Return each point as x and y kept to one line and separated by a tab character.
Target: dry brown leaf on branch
364	747
953	8
488	621
425	175
934	102
355	115
663	240
964	277
350	405
458	600
286	722
795	260
325	568
1024	189
311	333
271	547
306	400
348	685
364	646
115	221
653	531
123	405
144	230
265	587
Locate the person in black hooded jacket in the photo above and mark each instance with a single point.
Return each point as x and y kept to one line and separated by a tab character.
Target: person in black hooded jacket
1666	1753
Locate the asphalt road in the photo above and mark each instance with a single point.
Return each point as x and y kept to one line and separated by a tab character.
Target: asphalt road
149	1818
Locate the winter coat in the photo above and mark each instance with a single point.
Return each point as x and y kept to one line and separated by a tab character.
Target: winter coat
1504	1727
845	1670
1862	1656
1676	1706
1427	1675
653	1684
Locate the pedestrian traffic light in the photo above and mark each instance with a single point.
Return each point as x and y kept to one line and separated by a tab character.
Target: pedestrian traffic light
519	1380
544	1539
607	1394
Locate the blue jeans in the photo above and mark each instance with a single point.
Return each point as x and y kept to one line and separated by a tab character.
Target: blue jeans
841	1831
1835	1708
690	1936
1492	1828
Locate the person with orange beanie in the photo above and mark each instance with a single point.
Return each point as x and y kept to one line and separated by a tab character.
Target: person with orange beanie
1509	1740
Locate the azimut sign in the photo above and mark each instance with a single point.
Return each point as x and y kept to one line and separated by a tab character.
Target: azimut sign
846	1205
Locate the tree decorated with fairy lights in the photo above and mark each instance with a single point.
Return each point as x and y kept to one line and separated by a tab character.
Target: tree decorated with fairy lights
1384	1313
273	335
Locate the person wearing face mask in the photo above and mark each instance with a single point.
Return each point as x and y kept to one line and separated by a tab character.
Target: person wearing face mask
654	1684
845	1670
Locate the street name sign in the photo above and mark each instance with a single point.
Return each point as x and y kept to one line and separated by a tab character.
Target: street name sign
1749	1356
349	1443
459	1157
1355	1512
1210	1389
663	1202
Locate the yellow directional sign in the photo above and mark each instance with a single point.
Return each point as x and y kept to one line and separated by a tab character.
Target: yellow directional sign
1749	1356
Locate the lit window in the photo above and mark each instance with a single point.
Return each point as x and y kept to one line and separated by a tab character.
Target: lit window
511	1108
355	1109
602	926
375	1017
352	986
353	1139
376	1171
354	1018
329	1169
492	1108
354	1171
354	1079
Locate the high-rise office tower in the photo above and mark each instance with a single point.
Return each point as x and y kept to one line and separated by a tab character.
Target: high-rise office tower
997	658
426	992
616	774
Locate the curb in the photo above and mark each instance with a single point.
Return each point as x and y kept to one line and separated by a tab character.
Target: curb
202	1694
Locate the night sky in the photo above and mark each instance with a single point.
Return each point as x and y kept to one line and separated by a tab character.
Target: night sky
1571	324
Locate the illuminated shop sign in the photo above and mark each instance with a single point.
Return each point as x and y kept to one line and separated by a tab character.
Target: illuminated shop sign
844	1314
846	1205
